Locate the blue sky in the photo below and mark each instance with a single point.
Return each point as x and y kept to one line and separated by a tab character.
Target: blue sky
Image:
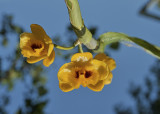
108	15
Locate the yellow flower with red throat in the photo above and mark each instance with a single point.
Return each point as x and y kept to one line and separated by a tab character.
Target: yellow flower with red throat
37	46
86	71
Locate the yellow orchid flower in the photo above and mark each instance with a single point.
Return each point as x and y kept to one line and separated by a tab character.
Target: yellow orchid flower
37	46
86	71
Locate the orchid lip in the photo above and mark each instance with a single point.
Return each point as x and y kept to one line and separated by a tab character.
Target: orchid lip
36	46
86	74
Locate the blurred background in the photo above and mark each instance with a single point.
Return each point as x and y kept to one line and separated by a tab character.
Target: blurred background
33	89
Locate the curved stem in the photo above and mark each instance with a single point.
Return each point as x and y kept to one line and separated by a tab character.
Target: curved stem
63	48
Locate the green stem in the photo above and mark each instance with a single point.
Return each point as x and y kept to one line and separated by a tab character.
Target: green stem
80	48
63	48
83	34
75	14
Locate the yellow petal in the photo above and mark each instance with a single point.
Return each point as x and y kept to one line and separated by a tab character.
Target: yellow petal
64	72
25	39
97	87
82	57
101	67
40	34
35	59
27	52
37	29
65	87
50	48
49	60
108	80
109	61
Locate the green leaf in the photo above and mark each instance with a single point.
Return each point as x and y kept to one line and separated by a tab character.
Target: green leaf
112	37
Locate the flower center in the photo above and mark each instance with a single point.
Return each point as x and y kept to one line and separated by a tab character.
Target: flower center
86	74
77	74
36	46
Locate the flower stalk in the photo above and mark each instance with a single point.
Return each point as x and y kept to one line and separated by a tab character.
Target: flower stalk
63	48
80	48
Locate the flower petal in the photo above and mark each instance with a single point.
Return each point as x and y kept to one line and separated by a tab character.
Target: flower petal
38	30
97	87
40	34
64	72
25	39
65	87
49	60
27	52
35	59
82	56
101	67
108	80
50	48
109	61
